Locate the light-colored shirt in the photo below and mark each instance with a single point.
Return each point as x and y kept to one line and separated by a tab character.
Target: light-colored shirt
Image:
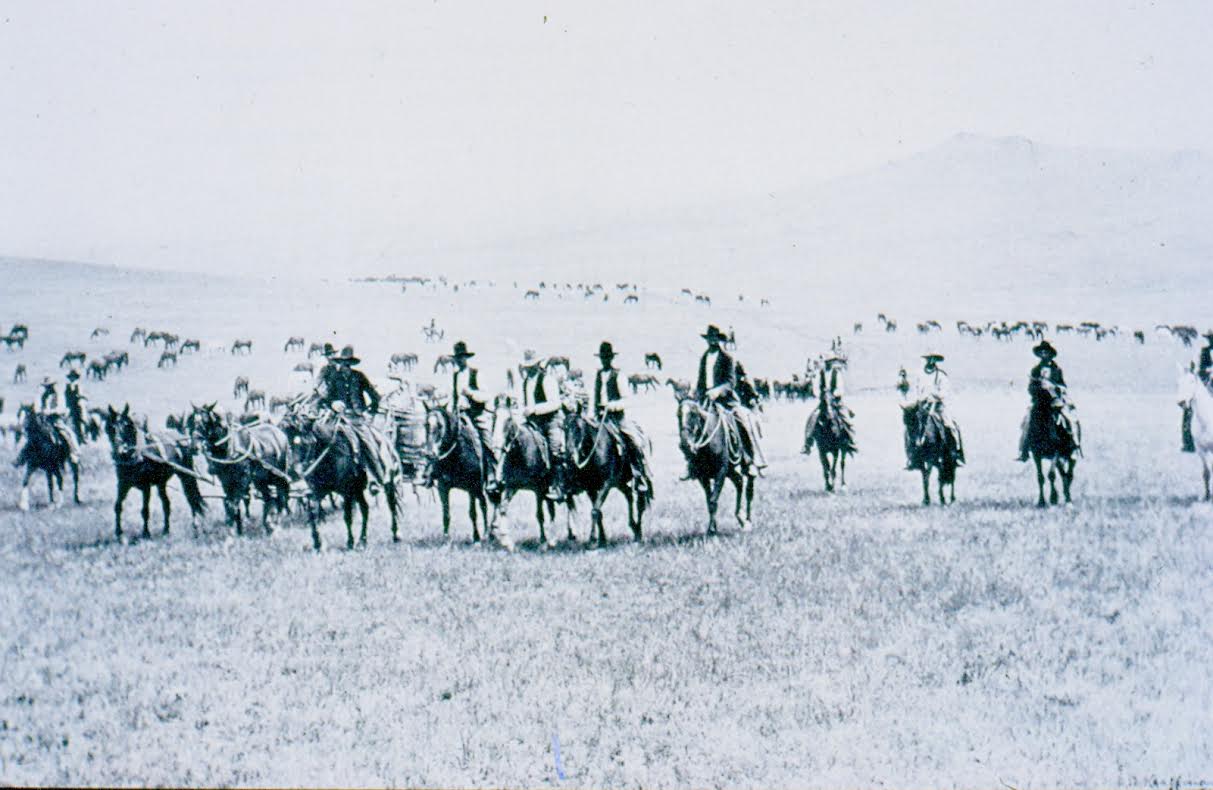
933	384
710	369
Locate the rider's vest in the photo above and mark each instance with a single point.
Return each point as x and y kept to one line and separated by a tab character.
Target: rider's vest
467	377
606	388
534	392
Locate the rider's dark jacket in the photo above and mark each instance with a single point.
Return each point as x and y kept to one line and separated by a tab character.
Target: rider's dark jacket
351	387
1045	370
606	388
724	372
1205	369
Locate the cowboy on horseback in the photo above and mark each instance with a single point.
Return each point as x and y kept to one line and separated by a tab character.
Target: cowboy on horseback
718	383
609	405
1204	372
467	400
1045	382
352	399
829	402
542	411
49	408
931	392
75	404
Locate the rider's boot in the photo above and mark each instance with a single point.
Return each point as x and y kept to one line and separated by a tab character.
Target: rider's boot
556	490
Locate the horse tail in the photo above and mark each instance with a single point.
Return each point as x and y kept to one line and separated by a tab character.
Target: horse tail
193	496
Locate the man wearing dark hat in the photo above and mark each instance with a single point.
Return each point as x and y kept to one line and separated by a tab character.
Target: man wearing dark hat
542	409
932	392
609	405
49	406
75	404
718	382
1047	370
466	399
1204	372
350	395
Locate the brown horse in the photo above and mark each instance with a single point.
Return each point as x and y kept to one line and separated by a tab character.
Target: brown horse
712	448
526	465
455	462
598	465
45	451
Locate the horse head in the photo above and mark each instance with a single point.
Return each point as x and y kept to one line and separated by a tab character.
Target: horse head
691	420
123	433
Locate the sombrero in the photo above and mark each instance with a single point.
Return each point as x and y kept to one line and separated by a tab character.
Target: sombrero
1044	348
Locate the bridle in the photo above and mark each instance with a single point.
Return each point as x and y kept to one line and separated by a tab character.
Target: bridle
598	434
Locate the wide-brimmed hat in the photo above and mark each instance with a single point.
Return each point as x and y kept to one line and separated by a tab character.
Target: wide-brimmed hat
1209	334
933	357
73	374
461	351
329	350
1044	349
347	355
47	381
835	360
713	333
606	350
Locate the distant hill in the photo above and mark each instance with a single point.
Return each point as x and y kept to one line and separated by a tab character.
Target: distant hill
1035	225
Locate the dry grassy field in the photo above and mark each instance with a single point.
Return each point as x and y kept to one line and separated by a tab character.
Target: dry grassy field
849	639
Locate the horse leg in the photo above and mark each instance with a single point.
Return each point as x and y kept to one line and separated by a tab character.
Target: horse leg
444	496
145	511
635	513
347	510
23	500
599	498
926	483
842	470
50	487
364	510
473	517
713	491
313	517
1040	482
1067	477
739	486
123	489
75	481
539	516
393	503
1053	482
749	501
1205	462
825	467
162	489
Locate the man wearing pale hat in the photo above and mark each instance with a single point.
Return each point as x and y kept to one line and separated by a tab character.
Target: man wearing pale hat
932	392
541	409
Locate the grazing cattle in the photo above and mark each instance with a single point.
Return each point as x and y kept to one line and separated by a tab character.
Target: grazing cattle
190	346
305	367
531	295
315	349
20	330
242	347
19	375
117	359
240	387
646	380
681	388
857	329
443	362
72	358
631	299
255	399
96	370
98	332
403	361
652	360
1140	337
703	299
11	340
890	326
167	359
293	344
279	403
139	335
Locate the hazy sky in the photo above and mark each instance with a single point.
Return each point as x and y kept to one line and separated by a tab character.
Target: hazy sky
262	135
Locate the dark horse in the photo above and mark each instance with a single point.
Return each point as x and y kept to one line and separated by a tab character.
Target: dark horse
325	457
143	459
526	465
455	463
713	450
1054	437
936	448
828	429
240	456
598	465
47	451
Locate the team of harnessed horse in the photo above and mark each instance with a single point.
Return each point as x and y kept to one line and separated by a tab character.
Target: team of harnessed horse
339	451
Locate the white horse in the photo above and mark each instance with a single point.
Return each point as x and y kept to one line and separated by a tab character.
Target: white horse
1193	392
